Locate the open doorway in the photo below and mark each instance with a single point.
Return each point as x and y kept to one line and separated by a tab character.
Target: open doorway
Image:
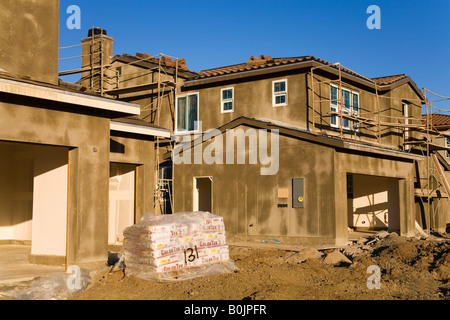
373	203
203	194
122	200
33	198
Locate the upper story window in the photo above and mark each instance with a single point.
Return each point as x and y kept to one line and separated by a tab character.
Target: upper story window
227	100
279	93
350	106
447	144
187	112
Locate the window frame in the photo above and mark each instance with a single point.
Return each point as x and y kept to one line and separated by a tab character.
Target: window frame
276	94
337	101
177	131
447	144
351	124
355	125
222	101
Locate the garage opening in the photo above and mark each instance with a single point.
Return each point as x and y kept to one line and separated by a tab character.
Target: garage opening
373	203
203	194
122	200
33	198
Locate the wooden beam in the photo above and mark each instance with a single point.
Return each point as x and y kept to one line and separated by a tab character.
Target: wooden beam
144	87
74	71
441	172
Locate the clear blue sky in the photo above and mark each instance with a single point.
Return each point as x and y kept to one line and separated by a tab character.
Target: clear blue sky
414	37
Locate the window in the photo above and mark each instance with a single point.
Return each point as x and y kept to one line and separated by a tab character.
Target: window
187	112
279	93
334	104
447	144
227	100
346	107
350	106
355	109
405	111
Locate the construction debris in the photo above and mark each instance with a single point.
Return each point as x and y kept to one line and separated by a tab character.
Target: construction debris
303	255
335	257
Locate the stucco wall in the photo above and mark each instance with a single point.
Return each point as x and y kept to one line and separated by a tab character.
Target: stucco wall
87	137
253	99
248	201
29	38
139	152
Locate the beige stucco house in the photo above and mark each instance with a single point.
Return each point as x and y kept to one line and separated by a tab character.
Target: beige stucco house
76	167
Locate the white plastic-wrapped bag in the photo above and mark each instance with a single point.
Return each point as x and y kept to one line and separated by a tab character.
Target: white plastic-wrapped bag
179	246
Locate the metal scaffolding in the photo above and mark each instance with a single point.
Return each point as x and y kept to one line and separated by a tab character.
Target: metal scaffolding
435	184
114	84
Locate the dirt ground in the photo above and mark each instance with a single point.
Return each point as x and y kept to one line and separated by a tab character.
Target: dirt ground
410	268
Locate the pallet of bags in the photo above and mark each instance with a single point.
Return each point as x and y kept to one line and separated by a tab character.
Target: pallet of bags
176	247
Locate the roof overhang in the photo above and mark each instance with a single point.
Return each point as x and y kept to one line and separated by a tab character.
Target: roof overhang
319	139
127	60
331	68
41	92
137	129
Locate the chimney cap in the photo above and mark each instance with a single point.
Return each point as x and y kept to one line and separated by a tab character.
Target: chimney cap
97	31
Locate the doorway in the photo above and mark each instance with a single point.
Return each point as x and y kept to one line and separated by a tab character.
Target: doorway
373	202
33	197
122	200
203	194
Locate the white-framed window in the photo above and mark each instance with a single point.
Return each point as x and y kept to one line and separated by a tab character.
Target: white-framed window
187	113
355	109
279	93
227	100
350	106
405	112
447	144
334	104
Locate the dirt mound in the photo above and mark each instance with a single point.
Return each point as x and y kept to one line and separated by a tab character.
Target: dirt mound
410	268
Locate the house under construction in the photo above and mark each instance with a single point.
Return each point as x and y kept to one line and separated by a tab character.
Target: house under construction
356	151
82	161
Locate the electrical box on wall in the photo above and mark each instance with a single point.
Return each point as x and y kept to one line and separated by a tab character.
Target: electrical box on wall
298	193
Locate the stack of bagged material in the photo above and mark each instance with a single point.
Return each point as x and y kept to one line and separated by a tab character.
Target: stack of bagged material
188	242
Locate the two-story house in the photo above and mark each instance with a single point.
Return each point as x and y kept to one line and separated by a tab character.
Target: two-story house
341	159
296	148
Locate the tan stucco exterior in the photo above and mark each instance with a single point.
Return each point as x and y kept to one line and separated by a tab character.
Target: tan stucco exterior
29	38
250	202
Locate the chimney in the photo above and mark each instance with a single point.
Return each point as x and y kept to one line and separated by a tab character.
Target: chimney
96	50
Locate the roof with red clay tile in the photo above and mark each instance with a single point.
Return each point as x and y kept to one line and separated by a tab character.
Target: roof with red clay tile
165	61
255	63
437	120
381	81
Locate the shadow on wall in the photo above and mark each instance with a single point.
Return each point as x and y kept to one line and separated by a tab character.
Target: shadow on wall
373	202
22	166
